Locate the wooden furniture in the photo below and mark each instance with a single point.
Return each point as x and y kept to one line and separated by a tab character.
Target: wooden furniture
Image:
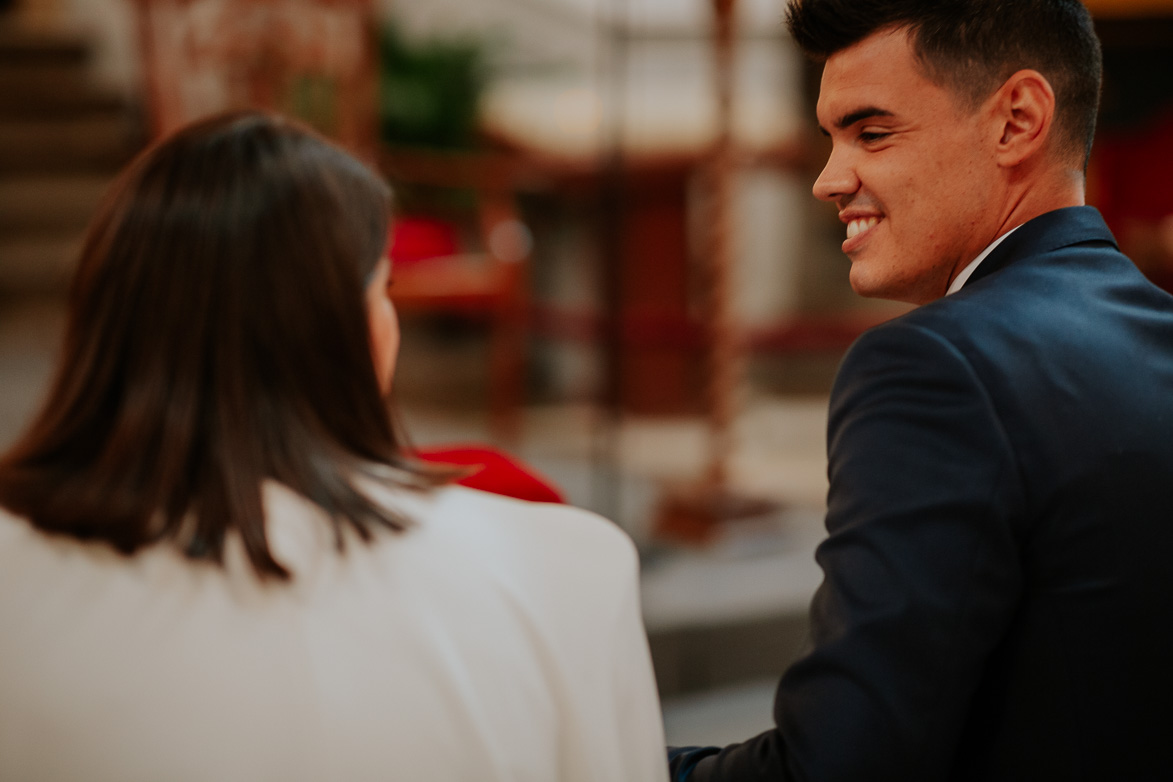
1130	166
317	60
484	275
1103	9
312	59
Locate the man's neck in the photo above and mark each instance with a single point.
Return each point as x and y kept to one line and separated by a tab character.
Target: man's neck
1058	189
1055	187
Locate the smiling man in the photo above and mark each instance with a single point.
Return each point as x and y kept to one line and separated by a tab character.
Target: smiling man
997	601
915	180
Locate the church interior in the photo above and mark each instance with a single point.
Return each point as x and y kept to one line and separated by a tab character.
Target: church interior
608	264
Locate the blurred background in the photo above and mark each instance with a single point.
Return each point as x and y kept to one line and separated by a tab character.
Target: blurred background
607	259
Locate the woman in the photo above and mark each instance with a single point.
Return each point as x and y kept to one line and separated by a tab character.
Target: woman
215	562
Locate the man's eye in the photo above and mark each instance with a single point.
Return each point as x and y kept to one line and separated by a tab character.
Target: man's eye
868	137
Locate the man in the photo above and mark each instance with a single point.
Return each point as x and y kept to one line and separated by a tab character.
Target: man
997	601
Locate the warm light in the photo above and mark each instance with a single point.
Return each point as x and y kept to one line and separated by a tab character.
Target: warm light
1110	8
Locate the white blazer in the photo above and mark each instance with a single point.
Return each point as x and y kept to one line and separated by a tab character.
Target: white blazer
494	640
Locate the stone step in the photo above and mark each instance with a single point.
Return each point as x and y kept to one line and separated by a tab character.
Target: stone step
61	141
29	45
54	203
100	143
38	265
45	72
53	90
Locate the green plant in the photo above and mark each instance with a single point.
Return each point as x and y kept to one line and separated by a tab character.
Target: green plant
429	90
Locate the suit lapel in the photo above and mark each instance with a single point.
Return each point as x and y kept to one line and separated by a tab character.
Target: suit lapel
1047	232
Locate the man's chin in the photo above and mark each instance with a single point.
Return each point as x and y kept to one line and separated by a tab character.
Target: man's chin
864	284
871	286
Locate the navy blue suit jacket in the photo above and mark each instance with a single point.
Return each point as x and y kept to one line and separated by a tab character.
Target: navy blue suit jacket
997	601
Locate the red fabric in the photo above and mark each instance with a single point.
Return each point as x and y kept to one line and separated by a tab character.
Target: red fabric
419	238
1129	183
499	472
1133	170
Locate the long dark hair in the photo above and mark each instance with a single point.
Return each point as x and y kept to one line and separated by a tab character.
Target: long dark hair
216	338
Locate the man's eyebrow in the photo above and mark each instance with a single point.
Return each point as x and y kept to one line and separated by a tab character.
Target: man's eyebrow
847	120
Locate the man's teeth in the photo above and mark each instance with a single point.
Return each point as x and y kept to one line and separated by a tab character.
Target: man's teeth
856	227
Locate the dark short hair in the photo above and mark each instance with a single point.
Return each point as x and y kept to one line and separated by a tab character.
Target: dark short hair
217	338
973	46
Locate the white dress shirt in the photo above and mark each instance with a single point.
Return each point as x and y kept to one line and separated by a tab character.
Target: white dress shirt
968	271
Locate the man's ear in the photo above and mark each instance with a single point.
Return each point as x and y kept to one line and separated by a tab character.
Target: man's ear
1025	110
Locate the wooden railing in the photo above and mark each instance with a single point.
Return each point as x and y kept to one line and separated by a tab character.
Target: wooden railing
313	59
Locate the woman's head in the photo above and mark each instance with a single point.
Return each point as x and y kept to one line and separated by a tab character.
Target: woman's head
219	335
248	237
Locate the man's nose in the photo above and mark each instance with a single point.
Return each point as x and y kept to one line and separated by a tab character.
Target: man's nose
838	179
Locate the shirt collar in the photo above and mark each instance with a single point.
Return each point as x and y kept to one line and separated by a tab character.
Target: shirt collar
965	274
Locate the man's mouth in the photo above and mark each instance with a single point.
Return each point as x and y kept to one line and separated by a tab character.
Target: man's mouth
861	225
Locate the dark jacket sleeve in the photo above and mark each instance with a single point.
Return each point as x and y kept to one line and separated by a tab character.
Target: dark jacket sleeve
921	573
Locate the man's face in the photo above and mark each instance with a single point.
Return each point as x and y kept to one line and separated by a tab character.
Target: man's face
911	170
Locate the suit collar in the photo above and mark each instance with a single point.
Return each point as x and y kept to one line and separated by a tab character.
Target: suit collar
1047	232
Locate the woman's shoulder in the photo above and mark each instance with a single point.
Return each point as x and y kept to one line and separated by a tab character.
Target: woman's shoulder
511	540
17	539
552	525
557	560
24	547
